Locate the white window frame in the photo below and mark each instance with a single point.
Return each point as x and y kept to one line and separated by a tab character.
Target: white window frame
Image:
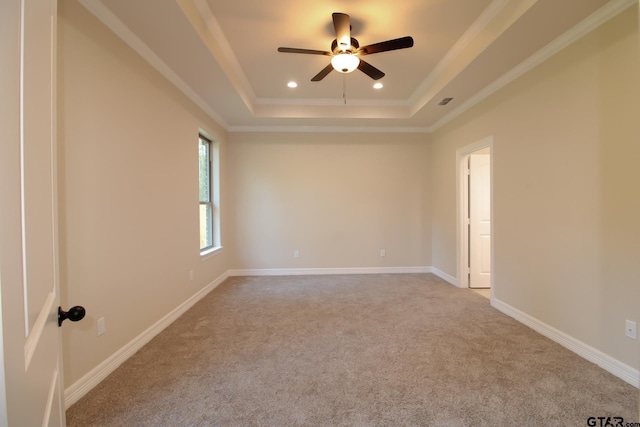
214	194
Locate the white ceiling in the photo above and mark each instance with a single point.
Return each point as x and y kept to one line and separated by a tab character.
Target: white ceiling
223	55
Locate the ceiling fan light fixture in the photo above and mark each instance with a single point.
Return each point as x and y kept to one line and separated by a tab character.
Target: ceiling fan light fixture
345	62
346	51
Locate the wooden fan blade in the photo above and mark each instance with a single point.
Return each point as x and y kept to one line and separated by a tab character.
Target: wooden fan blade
370	70
342	25
307	51
401	43
322	74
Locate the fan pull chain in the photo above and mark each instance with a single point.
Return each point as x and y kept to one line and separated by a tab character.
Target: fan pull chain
344	88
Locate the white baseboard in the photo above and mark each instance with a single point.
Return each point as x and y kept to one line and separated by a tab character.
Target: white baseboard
606	362
444	276
75	391
321	271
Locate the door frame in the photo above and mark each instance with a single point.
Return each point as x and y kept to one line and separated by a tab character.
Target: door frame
462	194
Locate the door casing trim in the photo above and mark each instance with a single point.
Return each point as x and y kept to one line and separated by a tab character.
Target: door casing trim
462	190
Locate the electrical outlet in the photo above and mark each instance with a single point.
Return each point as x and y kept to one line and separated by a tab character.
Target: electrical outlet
102	328
191	275
383	252
630	329
296	254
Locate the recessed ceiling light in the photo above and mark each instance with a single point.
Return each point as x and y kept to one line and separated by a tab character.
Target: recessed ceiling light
292	84
378	85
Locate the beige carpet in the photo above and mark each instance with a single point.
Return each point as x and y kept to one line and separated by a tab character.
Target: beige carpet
355	350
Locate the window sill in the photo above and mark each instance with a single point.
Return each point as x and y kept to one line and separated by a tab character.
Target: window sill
209	253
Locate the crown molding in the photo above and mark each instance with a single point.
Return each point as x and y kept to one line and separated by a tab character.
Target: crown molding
472	32
268	107
589	24
206	26
332	102
104	15
331	129
496	19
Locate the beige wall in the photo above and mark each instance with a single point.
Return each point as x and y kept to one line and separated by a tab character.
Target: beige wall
566	205
338	198
128	191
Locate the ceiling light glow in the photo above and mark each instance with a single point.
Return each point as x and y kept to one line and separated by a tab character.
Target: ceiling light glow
292	84
378	85
345	62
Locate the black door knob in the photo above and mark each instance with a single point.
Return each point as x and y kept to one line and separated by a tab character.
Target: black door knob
74	314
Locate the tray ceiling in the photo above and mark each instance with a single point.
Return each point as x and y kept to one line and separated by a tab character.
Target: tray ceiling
223	55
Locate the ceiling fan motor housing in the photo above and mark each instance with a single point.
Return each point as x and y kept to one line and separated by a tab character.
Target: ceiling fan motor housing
353	48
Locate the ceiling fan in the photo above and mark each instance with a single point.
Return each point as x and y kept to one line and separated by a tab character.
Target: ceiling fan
346	51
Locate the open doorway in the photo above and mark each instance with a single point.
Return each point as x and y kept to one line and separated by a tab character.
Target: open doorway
475	248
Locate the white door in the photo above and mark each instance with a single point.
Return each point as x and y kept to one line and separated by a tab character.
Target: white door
31	393
479	221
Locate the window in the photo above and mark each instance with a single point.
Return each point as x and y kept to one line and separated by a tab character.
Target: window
209	209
